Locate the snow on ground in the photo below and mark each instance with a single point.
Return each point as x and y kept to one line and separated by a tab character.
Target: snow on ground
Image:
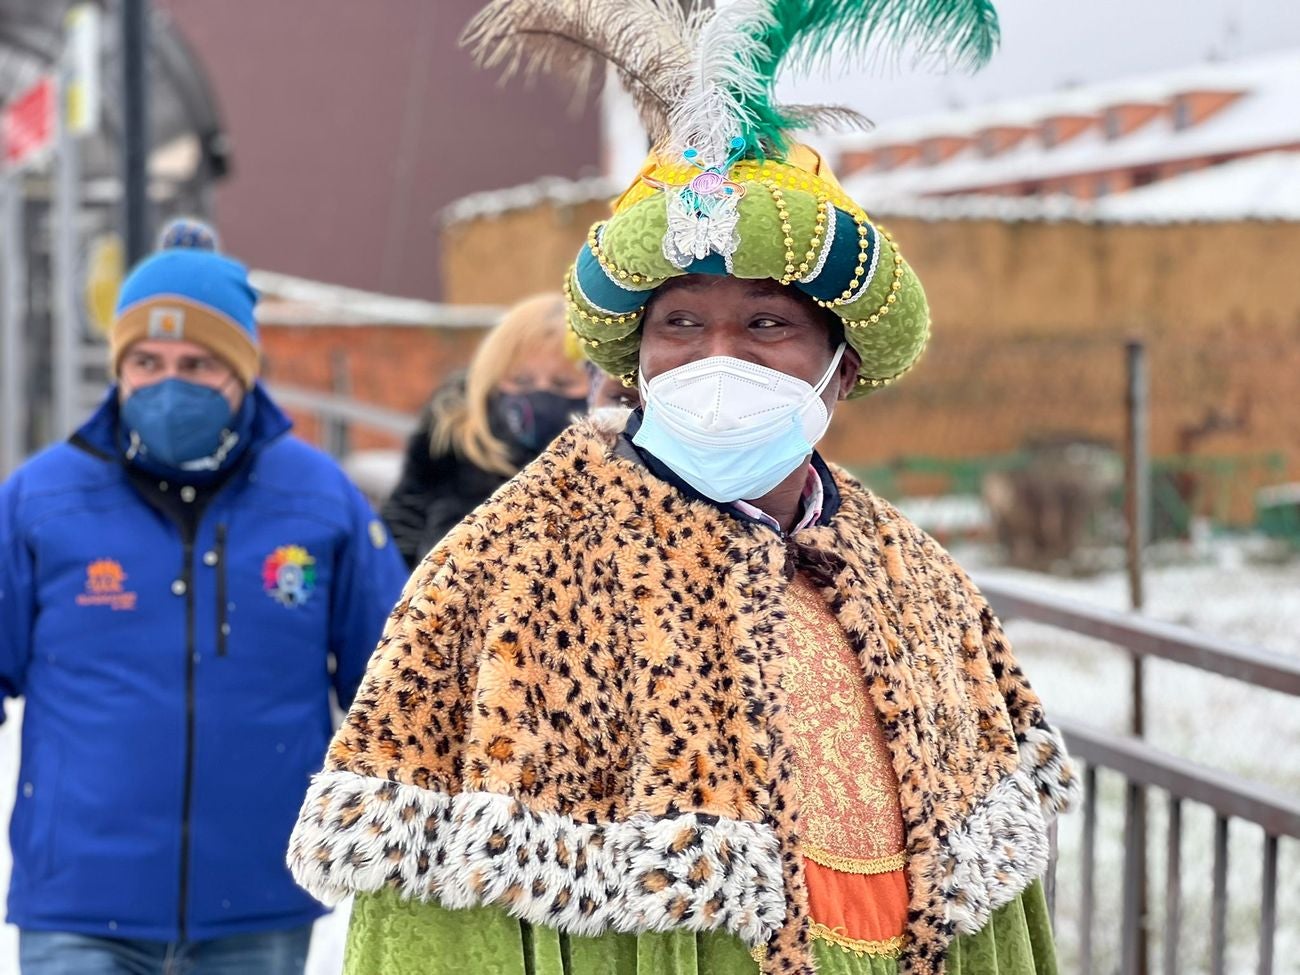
1215	721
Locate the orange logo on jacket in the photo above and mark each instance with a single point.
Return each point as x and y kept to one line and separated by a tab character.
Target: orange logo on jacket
106	586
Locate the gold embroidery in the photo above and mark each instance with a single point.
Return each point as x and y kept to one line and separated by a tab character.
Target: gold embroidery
758	953
843	769
845	864
877	949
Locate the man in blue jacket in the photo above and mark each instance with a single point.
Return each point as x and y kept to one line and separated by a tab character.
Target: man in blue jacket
181	584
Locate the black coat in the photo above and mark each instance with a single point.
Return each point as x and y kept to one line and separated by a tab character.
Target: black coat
434	493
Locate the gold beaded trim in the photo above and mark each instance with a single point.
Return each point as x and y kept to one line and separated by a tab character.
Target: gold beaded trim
782	211
615	272
748	170
877	383
792	273
864	249
593	317
850	293
854	865
877	949
822	241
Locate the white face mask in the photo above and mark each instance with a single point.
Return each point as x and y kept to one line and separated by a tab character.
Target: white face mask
731	429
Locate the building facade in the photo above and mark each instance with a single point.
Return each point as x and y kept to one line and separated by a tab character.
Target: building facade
351	125
1087	142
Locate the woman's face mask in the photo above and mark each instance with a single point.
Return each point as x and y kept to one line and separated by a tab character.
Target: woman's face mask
537	399
530	421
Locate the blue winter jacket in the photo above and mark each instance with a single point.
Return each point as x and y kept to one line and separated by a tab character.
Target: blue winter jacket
178	689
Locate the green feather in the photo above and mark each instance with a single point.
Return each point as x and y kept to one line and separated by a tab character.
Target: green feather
802	35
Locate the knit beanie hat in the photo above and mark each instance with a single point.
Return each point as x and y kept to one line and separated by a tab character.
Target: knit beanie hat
195	295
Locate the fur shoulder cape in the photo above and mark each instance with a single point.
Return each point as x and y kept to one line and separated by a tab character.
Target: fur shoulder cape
576	713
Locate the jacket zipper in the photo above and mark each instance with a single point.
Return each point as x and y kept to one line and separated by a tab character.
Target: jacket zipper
223	623
187	795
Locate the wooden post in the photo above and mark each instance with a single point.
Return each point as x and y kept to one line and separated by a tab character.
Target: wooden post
1137	504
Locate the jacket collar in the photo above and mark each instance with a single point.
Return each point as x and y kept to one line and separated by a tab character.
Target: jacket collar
830	492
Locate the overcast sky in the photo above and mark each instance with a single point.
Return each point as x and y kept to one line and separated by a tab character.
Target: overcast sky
1050	44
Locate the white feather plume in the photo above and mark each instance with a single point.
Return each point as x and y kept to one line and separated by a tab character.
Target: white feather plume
710	113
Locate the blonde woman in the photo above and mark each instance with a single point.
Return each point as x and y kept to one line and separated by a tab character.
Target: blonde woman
520	390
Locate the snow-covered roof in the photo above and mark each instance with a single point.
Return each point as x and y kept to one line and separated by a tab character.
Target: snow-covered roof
1262	187
1264	117
547	189
1251	74
289	300
985	206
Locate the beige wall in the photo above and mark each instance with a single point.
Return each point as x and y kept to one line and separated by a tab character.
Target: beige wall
1030	322
1046	278
497	260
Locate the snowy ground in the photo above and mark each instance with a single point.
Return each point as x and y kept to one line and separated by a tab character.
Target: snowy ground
1215	721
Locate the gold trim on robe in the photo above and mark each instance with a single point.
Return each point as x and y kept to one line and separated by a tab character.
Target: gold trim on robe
850	809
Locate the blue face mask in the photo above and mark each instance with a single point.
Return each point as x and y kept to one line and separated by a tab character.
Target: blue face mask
179	424
732	429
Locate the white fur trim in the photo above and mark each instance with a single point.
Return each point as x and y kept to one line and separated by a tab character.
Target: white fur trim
357	833
609	421
1003	845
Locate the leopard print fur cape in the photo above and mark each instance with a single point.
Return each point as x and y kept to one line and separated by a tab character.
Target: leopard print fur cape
576	713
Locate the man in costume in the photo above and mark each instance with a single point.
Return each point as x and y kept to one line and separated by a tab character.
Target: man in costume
682	697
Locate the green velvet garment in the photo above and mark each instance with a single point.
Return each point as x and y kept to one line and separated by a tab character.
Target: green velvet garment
391	936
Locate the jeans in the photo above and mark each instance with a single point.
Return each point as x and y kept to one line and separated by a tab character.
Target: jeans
264	953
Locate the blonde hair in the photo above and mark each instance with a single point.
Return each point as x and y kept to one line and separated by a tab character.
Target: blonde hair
460	413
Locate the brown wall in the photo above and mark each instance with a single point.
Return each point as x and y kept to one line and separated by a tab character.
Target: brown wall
352	124
396	367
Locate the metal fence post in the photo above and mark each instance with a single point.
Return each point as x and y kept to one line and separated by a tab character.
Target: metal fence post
1137	507
13	304
337	432
135	127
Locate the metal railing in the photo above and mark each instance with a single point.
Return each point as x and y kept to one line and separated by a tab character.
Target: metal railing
338	414
1146	768
333	408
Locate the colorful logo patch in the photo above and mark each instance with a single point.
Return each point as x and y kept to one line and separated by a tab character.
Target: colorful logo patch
289	575
106	586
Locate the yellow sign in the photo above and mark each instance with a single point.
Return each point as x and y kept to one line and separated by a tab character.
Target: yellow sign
107	267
